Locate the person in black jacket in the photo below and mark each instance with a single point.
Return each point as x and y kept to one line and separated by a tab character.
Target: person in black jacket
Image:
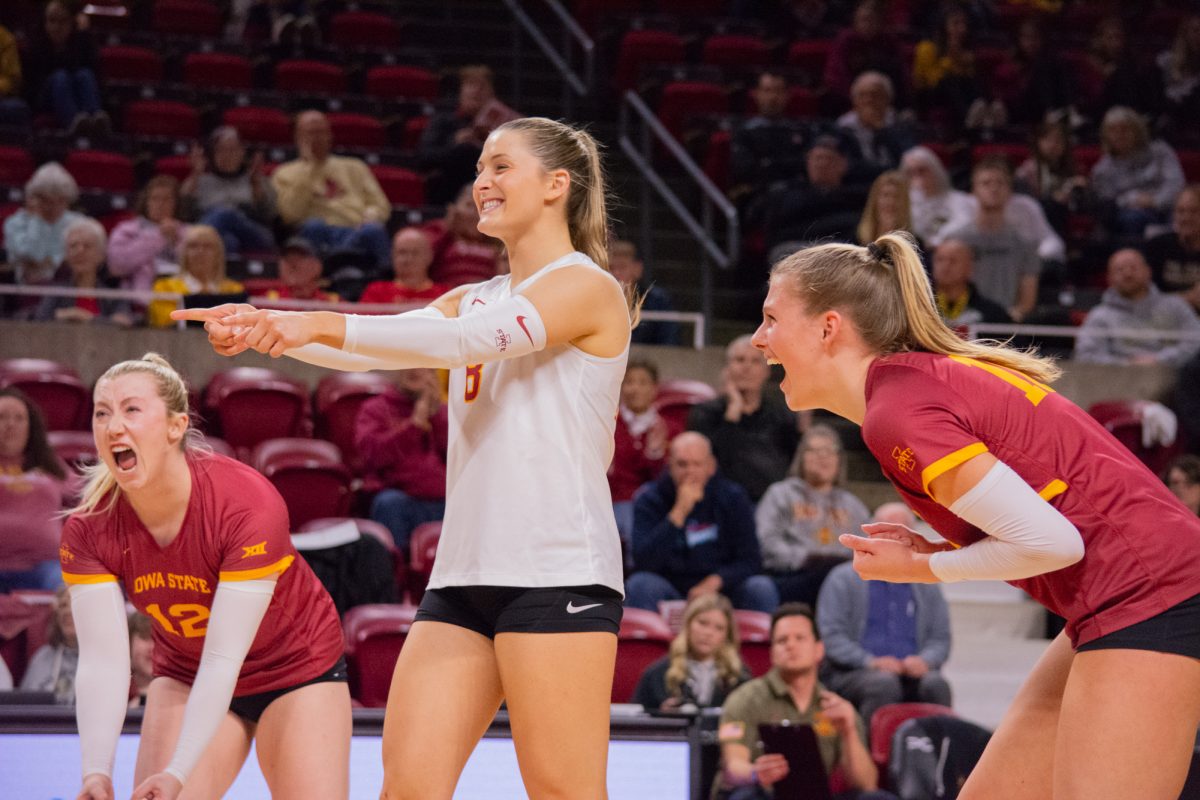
703	665
61	65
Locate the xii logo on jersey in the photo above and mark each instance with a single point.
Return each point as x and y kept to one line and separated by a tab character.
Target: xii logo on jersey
904	458
503	339
259	549
65	555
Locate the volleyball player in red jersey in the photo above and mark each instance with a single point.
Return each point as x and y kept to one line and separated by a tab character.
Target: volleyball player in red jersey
247	643
1025	487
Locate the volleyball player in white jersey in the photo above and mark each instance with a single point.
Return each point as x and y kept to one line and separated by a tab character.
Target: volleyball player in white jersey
525	598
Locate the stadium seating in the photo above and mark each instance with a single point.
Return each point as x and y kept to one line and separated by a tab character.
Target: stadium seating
96	169
676	398
357	130
338	398
642	47
643	639
76	449
422	549
887	719
309	475
218	71
374	636
414	83
1123	419
363	29
167	118
24	624
368	527
16	165
403	187
63	398
260	125
128	63
736	50
248	405
308	77
754	631
191	18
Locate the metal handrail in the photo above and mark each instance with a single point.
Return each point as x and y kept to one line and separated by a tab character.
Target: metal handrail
580	85
711	197
1073	332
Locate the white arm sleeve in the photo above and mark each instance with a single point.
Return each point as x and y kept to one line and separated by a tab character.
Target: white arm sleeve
237	609
102	678
331	358
1026	535
508	328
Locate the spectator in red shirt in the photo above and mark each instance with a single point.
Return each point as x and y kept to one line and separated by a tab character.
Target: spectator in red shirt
865	45
300	273
401	437
641	440
461	254
412	253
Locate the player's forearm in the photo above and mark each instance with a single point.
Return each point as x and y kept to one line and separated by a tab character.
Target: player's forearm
102	677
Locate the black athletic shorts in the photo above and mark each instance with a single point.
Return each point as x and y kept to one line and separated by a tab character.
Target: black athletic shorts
1176	630
489	610
251	706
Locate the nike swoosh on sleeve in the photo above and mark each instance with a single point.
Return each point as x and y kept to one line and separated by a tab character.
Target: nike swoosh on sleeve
521	322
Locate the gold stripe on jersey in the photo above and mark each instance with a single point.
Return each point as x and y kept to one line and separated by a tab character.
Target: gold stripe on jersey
1053	489
79	579
947	463
254	574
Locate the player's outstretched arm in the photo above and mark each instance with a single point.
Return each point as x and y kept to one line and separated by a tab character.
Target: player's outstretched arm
101	680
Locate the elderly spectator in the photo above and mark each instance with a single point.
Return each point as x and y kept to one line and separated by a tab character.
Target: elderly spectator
865	46
800	518
461	254
944	70
451	143
703	665
881	138
627	267
231	193
412	255
1032	80
1050	175
33	486
640	441
83	268
693	535
201	271
401	438
147	246
141	658
1007	266
769	146
826	206
791	693
1132	301
1183	479
300	274
334	200
1137	177
935	204
53	666
958	301
754	436
1180	68
61	68
887	208
1174	257
884	642
33	236
13	109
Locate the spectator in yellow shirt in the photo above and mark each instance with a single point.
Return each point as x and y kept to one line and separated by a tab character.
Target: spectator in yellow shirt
201	271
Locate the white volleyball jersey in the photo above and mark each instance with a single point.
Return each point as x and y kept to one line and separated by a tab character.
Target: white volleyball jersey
531	438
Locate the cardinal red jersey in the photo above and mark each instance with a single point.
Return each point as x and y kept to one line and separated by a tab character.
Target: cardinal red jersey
235	529
926	414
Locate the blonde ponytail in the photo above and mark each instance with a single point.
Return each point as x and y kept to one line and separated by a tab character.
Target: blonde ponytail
100	482
884	290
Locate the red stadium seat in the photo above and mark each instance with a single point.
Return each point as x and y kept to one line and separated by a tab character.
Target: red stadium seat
810	55
339	396
1190	161
94	169
643	639
692	8
309	475
176	166
309	77
62	397
24	623
197	18
374	636
16	165
887	719
1123	419
681	101
364	29
803	102
675	399
77	449
248	405
126	63
414	128
357	130
403	187
218	71
414	83
717	158
422	549
639	48
1086	156
369	527
754	632
1015	153
260	125
167	118
732	50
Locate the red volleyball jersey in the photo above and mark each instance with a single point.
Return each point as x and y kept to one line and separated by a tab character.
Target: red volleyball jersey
926	414
236	529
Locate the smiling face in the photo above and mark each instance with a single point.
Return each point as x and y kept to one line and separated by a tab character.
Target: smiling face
512	188
135	435
707	631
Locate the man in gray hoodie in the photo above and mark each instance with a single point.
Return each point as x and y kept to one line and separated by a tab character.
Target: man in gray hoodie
1132	301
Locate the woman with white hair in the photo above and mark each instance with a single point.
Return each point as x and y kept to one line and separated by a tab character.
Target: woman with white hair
34	236
935	203
83	267
1138	177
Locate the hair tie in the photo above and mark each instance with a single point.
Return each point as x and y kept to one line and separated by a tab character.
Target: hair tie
877	253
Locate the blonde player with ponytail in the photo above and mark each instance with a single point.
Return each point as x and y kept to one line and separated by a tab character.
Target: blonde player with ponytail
247	643
1025	487
525	598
